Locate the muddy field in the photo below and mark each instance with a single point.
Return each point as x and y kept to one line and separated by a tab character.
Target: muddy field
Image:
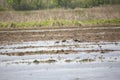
75	53
83	34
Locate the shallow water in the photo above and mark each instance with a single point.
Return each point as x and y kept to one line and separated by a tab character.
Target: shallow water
71	71
111	55
34	46
79	65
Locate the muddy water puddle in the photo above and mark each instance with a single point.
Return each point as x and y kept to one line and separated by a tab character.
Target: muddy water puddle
60	60
60	51
61	46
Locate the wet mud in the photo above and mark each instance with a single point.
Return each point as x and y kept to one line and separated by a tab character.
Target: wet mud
60	54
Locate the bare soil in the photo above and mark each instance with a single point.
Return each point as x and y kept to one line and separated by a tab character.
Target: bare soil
83	34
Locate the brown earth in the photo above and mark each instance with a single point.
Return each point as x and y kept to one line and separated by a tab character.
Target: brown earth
80	33
103	12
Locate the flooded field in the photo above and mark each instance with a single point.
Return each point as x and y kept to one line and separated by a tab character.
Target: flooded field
60	54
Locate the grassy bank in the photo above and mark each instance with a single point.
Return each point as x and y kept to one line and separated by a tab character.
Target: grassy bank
59	23
103	15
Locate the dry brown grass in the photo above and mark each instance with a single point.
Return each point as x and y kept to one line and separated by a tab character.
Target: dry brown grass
105	12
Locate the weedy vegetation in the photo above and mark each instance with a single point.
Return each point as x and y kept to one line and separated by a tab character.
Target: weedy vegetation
61	14
59	23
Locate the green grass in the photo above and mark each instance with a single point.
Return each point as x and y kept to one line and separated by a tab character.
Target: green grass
101	22
52	23
3	8
4	24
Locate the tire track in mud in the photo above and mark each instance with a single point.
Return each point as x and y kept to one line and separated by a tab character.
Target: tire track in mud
54	30
91	34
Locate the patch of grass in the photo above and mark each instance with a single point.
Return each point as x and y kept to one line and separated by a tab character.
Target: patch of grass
100	22
4	25
3	8
59	23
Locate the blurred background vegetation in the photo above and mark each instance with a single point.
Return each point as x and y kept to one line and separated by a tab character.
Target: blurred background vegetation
50	4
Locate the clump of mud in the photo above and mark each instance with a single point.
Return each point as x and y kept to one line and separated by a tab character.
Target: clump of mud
44	61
